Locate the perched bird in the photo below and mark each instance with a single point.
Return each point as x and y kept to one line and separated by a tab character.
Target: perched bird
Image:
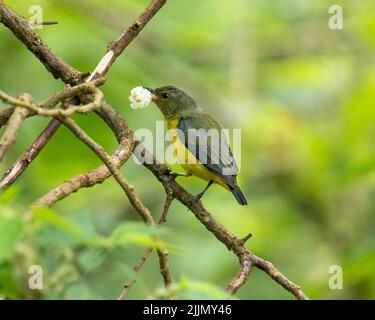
199	137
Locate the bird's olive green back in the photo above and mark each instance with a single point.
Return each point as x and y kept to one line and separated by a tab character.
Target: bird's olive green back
203	137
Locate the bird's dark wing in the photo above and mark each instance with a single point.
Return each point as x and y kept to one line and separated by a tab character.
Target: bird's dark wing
202	135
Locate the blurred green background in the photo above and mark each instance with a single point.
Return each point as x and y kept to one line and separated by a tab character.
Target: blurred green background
302	94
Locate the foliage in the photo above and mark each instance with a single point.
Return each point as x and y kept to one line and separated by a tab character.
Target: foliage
303	96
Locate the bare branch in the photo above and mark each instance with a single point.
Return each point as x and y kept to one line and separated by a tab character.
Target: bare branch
88	179
44	108
27	157
5	115
168	279
14	124
117	47
43	23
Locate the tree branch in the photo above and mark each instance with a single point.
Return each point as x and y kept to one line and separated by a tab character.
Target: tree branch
14	124
137	268
86	180
44	108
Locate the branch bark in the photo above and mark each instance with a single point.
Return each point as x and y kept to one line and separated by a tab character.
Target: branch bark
14	124
147	253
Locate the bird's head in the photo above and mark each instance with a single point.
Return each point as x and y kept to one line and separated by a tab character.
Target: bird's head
172	101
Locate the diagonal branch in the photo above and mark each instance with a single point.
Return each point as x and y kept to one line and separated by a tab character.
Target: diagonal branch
87	180
14	124
137	268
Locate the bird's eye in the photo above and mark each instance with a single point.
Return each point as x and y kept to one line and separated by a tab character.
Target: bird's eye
165	95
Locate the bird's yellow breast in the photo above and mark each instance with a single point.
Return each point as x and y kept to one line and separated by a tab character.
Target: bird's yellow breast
188	161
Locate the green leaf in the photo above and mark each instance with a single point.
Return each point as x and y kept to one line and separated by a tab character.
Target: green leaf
10	231
135	233
79	227
91	259
8	285
9	195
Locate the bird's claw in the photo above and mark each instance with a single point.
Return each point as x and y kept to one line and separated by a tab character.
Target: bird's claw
197	197
171	177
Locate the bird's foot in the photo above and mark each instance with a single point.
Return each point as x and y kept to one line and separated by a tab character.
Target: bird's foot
173	175
198	196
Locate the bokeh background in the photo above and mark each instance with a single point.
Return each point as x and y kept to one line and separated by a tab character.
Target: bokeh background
302	94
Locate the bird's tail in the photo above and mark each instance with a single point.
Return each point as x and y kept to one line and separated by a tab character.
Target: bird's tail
239	195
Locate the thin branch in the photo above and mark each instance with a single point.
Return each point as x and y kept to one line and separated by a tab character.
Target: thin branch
22	30
14	124
22	163
24	109
60	69
137	268
44	108
102	154
86	180
43	23
5	115
115	48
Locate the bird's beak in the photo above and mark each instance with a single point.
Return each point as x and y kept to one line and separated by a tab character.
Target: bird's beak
154	97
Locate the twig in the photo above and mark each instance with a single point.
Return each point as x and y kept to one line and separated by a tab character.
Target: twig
30	109
5	115
60	69
115	48
43	23
44	108
102	154
14	124
86	180
147	253
27	157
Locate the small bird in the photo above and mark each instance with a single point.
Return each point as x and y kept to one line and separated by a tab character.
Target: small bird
199	137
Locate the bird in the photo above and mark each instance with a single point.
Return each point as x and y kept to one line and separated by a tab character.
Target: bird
202	149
